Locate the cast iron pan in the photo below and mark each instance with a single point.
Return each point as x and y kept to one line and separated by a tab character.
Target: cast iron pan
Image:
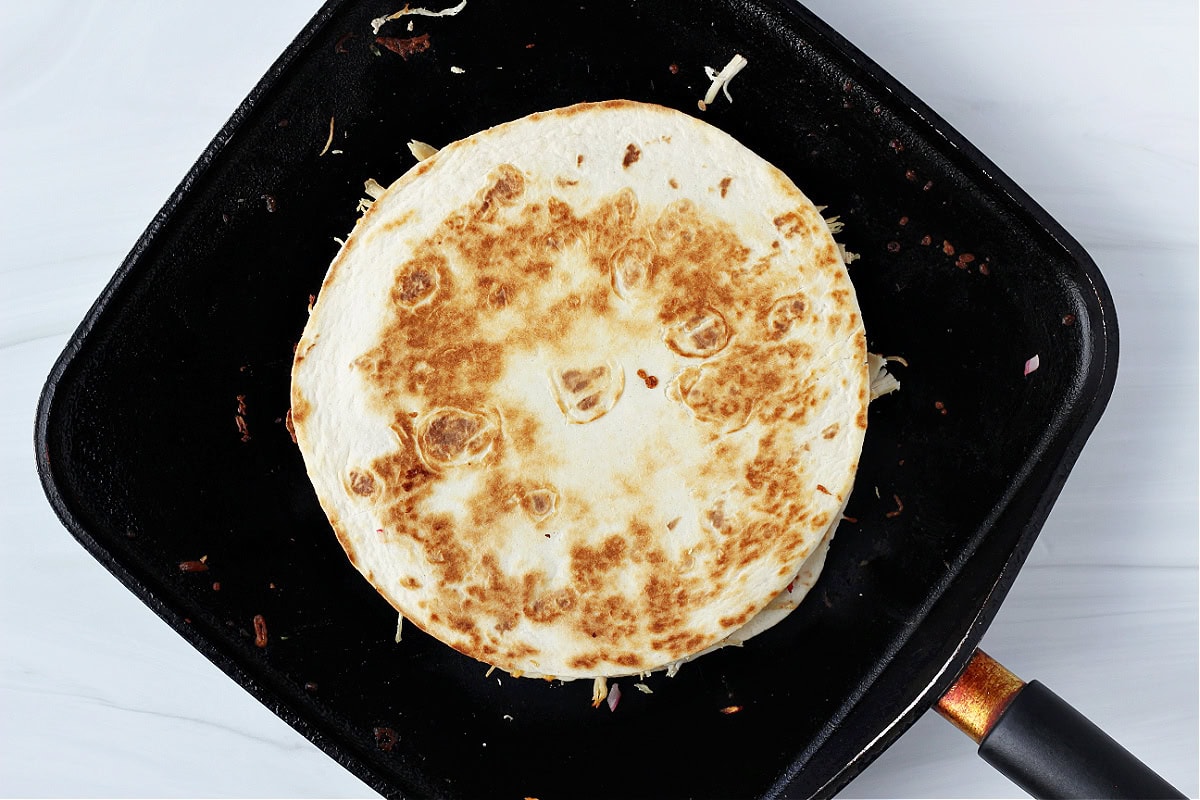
161	435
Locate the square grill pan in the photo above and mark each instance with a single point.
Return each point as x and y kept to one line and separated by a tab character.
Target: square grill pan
961	274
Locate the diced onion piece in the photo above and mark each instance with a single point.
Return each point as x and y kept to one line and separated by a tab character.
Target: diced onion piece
1032	364
720	80
379	22
614	696
420	150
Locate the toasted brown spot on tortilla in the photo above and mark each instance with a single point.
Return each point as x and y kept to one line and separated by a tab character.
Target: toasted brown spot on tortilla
361	483
632	154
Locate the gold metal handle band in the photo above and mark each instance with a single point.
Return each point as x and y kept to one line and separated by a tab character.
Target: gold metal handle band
977	699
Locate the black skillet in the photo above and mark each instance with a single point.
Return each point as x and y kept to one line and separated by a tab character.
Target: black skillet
161	433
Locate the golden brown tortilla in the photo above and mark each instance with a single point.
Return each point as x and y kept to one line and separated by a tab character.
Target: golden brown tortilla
583	392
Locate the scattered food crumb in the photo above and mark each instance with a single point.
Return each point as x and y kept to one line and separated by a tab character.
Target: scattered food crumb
260	631
899	508
199	565
404	47
1068	320
385	739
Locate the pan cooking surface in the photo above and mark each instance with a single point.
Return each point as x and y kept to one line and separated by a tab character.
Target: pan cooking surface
145	459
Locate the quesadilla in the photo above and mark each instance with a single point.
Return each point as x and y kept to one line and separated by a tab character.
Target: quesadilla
583	394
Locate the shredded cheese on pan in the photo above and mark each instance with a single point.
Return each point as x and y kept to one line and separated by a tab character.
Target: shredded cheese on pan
720	80
373	188
379	22
882	381
328	141
420	150
599	691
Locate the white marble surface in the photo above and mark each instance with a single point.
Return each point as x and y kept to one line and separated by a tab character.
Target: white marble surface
1090	106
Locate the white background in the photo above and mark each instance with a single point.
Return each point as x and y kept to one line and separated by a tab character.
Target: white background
1090	106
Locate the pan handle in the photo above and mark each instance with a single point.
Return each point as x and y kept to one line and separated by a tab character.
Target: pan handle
1041	743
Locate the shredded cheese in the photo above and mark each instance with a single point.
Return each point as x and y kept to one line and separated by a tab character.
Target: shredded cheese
399	626
835	224
720	80
328	141
848	258
457	70
643	688
373	188
599	691
882	381
420	150
379	22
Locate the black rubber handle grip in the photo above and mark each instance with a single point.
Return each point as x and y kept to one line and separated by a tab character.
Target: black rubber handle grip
1050	750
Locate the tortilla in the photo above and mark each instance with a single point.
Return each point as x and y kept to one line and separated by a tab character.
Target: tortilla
584	392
